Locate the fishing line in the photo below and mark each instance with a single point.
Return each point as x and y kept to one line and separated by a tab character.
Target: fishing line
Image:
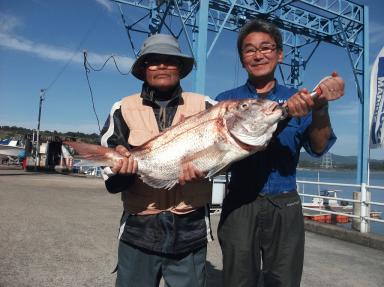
87	64
88	67
87	70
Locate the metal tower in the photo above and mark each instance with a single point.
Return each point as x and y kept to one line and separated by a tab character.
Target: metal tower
304	24
326	161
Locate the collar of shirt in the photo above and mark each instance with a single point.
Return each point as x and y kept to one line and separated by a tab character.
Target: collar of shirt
148	95
273	95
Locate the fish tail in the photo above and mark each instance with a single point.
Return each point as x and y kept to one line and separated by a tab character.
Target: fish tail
91	153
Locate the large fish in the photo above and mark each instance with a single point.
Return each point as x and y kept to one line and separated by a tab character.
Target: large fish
211	140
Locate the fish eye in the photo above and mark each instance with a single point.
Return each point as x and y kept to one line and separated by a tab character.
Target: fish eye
244	106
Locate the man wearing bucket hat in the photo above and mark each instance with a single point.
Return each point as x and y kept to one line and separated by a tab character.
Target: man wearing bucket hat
163	233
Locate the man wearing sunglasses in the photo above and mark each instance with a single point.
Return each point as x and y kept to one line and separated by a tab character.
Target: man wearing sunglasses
261	230
163	233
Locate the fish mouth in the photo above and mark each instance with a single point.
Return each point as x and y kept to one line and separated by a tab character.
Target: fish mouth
283	109
274	108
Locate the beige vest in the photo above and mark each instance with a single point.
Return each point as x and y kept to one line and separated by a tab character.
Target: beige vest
141	198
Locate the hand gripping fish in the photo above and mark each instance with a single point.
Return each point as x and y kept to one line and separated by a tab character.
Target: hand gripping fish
211	140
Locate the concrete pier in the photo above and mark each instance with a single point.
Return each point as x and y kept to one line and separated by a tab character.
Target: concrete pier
60	230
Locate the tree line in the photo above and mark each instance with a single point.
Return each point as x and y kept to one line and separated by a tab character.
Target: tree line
19	133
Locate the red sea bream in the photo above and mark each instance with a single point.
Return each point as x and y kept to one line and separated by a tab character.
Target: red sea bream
211	140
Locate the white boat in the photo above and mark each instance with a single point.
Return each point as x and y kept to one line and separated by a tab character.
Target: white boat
328	200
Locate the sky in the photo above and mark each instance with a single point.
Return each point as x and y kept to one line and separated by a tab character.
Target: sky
42	44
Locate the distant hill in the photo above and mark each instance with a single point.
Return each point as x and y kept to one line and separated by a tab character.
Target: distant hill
338	161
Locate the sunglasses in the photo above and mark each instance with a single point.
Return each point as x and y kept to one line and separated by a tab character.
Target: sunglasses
156	63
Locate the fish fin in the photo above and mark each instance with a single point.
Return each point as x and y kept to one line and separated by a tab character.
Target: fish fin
213	150
216	151
159	183
216	170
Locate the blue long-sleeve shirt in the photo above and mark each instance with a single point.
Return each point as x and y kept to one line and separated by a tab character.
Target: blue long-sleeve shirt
273	170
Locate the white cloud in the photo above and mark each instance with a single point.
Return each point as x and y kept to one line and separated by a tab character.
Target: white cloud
54	53
9	40
8	23
106	3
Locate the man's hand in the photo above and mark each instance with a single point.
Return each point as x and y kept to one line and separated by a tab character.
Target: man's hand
300	103
332	88
127	165
189	173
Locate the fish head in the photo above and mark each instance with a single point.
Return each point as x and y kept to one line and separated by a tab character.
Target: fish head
253	121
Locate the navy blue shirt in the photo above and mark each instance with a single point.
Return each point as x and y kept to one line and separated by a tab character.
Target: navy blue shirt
273	170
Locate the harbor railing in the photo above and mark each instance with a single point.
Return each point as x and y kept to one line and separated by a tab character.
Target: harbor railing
361	206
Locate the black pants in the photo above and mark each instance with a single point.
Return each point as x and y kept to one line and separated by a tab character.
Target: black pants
140	268
166	232
263	241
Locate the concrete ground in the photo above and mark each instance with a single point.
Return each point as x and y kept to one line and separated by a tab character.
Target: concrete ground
58	230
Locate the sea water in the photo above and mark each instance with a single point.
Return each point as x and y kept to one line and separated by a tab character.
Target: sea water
344	176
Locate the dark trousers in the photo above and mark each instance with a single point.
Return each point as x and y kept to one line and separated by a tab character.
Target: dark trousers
263	242
140	268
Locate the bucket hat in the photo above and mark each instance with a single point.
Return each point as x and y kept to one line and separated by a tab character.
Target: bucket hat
161	44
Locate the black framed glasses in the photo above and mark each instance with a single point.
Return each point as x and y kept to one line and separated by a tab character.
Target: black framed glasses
264	49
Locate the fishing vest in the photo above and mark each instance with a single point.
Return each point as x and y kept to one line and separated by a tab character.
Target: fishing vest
142	199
